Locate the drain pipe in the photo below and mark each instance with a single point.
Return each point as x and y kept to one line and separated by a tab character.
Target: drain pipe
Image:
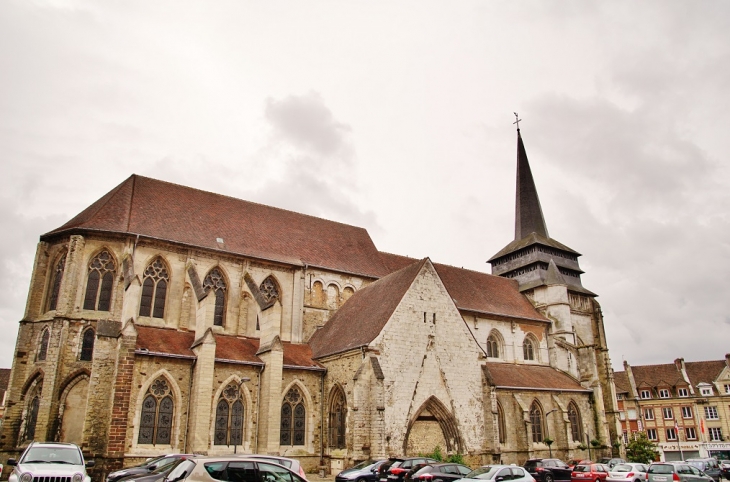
258	411
321	422
190	397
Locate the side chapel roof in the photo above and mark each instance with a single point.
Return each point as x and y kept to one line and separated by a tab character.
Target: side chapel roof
536	377
180	214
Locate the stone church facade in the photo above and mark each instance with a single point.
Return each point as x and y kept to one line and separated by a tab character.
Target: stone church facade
167	319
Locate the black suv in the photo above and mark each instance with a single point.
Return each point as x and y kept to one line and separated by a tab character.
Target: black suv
548	470
400	466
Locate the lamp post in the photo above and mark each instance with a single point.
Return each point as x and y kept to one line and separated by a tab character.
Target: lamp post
547	431
240	384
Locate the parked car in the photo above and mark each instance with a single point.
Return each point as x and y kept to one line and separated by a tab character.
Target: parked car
676	472
628	472
157	475
149	465
50	461
366	471
611	462
499	473
710	466
292	464
590	472
725	469
446	472
231	468
548	470
574	462
399	468
383	469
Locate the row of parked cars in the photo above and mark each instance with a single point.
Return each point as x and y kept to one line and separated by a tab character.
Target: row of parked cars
423	469
64	462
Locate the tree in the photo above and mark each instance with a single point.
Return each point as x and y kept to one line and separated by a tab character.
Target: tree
641	450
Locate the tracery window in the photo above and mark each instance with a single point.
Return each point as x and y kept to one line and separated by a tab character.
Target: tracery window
154	290
87	345
493	346
528	349
229	415
32	417
338	416
501	425
536	422
269	289
216	282
576	427
292	418
43	345
155	424
99	284
56	283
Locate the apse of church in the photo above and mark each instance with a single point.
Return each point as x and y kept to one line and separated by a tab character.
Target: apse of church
269	331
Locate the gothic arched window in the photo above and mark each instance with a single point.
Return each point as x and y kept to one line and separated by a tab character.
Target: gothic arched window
155	424
87	345
576	427
229	417
501	426
43	345
269	289
56	283
32	417
216	282
536	421
493	346
338	416
154	290
528	348
292	418
99	284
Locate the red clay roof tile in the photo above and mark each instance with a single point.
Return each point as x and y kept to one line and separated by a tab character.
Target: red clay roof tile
539	377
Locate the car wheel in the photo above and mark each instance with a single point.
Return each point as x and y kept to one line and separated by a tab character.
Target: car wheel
547	478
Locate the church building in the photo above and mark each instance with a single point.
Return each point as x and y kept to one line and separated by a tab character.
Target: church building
166	319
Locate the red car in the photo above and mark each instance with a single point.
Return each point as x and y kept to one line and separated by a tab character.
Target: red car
589	472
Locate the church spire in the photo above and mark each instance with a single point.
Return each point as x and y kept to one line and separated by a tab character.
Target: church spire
528	212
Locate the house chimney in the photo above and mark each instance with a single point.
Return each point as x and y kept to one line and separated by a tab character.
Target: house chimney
727	359
679	363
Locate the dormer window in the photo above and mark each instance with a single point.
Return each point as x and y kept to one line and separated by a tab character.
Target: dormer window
663	393
645	394
706	391
683	392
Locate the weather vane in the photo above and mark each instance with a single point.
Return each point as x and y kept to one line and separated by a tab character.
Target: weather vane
517	120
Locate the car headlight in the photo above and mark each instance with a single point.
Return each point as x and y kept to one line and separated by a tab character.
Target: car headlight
26	477
78	477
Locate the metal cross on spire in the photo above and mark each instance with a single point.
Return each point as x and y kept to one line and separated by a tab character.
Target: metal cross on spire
517	120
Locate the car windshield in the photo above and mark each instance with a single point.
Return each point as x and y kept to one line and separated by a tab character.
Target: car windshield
582	468
364	464
180	471
661	469
531	464
52	455
482	473
163	469
696	463
622	468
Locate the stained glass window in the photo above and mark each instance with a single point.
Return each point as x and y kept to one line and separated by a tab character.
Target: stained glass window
293	418
43	346
216	282
575	423
87	345
229	417
158	409
32	418
338	415
56	284
154	290
99	284
536	421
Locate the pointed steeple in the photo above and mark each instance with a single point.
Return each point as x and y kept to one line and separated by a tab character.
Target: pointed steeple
534	258
528	212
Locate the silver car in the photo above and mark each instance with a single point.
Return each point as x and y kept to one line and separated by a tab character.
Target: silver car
675	472
498	473
50	461
231	468
628	472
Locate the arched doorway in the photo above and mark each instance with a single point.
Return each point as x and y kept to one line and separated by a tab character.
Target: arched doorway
433	425
74	411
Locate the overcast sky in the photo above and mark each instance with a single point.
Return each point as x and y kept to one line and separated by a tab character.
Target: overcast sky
397	117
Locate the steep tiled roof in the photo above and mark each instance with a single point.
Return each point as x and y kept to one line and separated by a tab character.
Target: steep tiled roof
537	377
621	380
4	378
167	342
362	318
704	371
180	214
657	375
486	293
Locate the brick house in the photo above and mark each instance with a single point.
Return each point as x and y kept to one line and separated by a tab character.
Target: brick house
168	319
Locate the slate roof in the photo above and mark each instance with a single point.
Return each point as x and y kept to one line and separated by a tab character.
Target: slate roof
363	317
535	377
170	212
168	342
621	380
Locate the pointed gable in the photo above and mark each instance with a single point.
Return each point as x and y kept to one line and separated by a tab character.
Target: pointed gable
179	214
362	318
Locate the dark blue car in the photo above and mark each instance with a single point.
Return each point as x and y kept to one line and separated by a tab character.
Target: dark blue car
363	472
